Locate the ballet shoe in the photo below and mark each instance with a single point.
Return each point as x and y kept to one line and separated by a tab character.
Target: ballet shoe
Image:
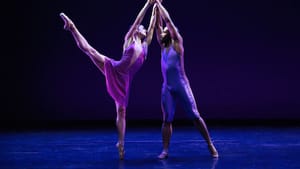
213	151
121	150
68	23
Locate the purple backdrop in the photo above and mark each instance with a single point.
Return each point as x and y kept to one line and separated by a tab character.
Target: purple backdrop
242	59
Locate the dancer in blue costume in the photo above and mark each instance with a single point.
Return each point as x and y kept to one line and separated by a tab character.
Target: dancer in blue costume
176	84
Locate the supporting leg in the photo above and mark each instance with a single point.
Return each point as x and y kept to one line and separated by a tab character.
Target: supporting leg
166	136
121	126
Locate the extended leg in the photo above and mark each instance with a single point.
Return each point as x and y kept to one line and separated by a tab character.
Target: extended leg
189	104
201	127
97	58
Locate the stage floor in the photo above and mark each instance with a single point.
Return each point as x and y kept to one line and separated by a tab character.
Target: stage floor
240	147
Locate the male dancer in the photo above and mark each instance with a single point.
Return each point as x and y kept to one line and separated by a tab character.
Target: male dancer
175	85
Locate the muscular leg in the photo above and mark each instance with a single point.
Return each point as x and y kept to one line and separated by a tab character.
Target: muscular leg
121	126
189	105
97	58
201	127
168	109
166	131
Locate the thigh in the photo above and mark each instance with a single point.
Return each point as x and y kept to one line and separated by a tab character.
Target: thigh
167	105
187	100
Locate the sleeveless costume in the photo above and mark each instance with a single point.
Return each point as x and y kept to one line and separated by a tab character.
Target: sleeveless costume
119	74
175	86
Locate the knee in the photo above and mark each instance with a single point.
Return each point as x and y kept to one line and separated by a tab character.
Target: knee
166	124
199	119
121	112
194	114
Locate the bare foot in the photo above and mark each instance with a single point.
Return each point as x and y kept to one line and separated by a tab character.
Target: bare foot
68	22
163	155
213	150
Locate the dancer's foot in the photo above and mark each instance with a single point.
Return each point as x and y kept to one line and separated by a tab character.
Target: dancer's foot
163	155
68	22
121	150
213	150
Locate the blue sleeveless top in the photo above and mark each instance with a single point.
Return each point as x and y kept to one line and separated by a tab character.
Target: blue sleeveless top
172	68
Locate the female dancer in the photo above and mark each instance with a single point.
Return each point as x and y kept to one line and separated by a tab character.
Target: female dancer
119	74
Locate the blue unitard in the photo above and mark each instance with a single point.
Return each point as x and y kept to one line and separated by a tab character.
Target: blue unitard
176	86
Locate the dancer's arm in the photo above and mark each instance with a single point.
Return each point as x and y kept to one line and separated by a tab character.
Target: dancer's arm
151	25
138	21
169	23
159	26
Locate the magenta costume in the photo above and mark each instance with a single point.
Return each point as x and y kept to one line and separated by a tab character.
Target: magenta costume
119	74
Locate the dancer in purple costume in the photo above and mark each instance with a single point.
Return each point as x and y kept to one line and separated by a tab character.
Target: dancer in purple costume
176	85
119	74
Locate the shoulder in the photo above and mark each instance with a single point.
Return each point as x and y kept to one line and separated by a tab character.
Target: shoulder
127	43
178	47
145	44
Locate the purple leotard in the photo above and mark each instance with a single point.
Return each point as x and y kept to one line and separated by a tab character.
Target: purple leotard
119	74
176	86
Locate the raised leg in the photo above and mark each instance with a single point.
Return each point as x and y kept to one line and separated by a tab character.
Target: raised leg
97	58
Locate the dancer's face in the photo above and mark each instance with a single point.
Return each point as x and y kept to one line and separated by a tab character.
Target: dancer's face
165	37
165	32
142	31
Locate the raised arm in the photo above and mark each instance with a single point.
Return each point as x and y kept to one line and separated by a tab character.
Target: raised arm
169	23
159	26
151	25
138	19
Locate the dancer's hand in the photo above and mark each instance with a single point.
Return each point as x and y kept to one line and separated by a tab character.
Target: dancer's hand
68	22
159	1
151	1
154	9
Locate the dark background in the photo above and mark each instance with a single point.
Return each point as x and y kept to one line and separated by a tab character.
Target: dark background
241	57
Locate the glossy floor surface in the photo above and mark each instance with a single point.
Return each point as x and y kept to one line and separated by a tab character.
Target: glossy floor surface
240	147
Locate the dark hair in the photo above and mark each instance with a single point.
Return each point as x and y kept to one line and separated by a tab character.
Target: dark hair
166	40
